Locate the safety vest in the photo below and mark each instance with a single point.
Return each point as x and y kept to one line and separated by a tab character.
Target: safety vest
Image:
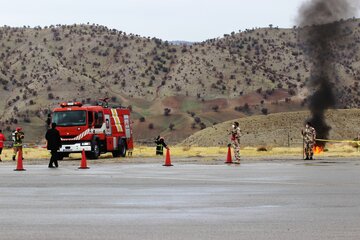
159	149
18	139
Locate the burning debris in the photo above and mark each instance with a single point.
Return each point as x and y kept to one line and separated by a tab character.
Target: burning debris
318	149
320	31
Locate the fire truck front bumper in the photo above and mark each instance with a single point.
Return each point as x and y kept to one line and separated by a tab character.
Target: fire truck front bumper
75	147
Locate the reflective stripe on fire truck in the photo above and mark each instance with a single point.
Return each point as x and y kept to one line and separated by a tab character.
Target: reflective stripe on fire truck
78	137
116	120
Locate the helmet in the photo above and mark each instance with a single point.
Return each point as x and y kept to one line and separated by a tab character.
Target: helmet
18	129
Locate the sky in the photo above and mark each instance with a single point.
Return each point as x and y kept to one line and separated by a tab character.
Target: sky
187	20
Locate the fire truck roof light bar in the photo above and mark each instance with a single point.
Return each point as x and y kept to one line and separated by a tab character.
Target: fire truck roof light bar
71	104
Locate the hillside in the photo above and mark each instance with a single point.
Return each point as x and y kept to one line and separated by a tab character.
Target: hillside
252	72
279	129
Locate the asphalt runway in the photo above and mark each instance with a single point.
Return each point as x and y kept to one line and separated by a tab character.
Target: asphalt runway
256	200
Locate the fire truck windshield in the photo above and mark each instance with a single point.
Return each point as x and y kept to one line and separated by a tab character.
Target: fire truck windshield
69	118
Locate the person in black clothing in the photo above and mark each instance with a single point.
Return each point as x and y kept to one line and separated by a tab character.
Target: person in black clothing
53	144
160	145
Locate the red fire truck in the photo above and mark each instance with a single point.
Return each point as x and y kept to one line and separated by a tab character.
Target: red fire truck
96	129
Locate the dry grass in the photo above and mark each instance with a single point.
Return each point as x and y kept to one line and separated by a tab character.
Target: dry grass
332	150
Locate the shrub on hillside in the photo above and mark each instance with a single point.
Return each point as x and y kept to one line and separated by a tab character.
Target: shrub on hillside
167	111
264	111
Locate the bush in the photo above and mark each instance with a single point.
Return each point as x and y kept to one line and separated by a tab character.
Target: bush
202	125
167	111
197	120
262	149
215	108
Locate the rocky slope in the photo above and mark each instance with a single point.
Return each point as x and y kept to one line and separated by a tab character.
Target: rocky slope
257	71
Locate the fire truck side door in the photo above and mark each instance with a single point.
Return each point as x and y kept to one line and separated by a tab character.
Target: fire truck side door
127	126
107	124
90	118
99	119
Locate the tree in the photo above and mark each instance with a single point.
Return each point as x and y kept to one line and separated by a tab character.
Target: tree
264	111
167	111
197	120
171	126
202	125
215	108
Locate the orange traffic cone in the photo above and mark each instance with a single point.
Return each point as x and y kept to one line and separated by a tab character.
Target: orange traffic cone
167	159
83	163
229	159
19	166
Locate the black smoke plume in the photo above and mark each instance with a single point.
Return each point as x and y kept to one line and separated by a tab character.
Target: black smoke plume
319	33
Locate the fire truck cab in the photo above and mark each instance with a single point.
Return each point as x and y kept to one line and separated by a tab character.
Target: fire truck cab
94	129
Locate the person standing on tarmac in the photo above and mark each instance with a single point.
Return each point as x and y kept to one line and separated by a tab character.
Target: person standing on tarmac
160	145
18	136
309	138
235	141
2	140
53	139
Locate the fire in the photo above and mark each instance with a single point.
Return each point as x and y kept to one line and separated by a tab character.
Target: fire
318	149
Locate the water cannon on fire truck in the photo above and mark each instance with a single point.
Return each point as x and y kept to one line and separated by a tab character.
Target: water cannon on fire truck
96	129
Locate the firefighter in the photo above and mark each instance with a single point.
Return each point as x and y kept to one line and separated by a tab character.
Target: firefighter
53	144
309	137
235	141
18	137
2	140
160	145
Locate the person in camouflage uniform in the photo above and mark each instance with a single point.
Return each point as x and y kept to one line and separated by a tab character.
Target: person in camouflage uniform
235	141
309	136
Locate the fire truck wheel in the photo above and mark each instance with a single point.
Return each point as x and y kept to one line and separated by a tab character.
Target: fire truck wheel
115	153
95	150
121	152
122	148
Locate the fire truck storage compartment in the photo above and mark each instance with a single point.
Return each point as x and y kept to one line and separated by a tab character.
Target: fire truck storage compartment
111	143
